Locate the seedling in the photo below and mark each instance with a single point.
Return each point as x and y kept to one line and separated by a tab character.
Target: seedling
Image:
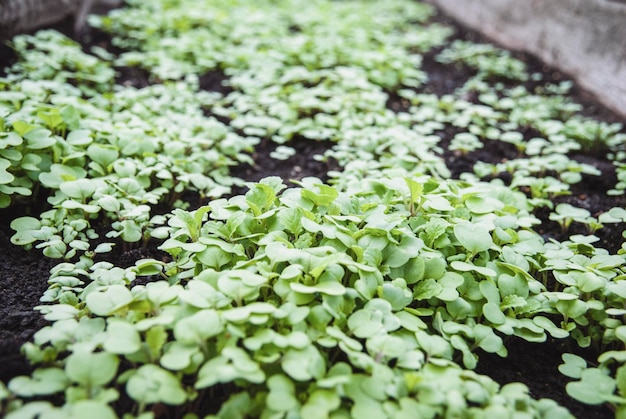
368	296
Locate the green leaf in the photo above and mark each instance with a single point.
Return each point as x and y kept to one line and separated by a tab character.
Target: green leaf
594	387
107	302
468	267
178	356
409	247
291	219
396	293
375	317
43	382
281	397
152	384
574	365
92	409
483	205
214	257
103	154
39	138
328	288
159	293
9	139
24	227
80	189
493	313
233	363
260	198
103	248
474	237
52	118
122	337
434	345
620	378
487	339
91	369
22	127
198	327
387	346
513	285
79	137
320	404
434	228
450	282
304	364
327	194
426	289
5	176
550	327
61	173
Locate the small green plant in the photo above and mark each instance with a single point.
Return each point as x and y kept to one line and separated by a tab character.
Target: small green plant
465	143
565	214
369	296
265	290
490	62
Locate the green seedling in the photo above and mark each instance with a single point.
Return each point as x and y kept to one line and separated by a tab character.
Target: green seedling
368	296
565	214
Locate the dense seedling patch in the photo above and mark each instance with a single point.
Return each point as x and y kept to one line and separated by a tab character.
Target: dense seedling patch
368	293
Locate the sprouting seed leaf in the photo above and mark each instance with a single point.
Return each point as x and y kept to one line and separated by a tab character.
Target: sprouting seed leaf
468	267
39	138
43	382
328	288
574	365
396	293
104	248
161	292
408	248
80	189
79	137
9	139
487	339
620	378
5	176
550	327
281	397
152	384
52	118
374	318
304	364
24	227
91	369
474	237
321	403
198	327
493	313
93	409
291	219
594	387
103	154
104	303
122	337
178	356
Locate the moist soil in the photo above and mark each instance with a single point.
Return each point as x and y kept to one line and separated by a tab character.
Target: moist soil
24	274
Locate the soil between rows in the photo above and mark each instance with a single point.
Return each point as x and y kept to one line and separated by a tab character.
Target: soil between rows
24	274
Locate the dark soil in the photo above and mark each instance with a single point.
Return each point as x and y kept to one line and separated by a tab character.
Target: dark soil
24	274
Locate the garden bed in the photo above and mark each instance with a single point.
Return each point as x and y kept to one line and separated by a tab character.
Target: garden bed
453	105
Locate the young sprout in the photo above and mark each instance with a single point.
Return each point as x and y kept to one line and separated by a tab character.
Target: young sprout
565	214
465	143
515	138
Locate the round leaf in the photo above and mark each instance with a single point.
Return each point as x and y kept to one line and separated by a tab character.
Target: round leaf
474	237
152	384
91	369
